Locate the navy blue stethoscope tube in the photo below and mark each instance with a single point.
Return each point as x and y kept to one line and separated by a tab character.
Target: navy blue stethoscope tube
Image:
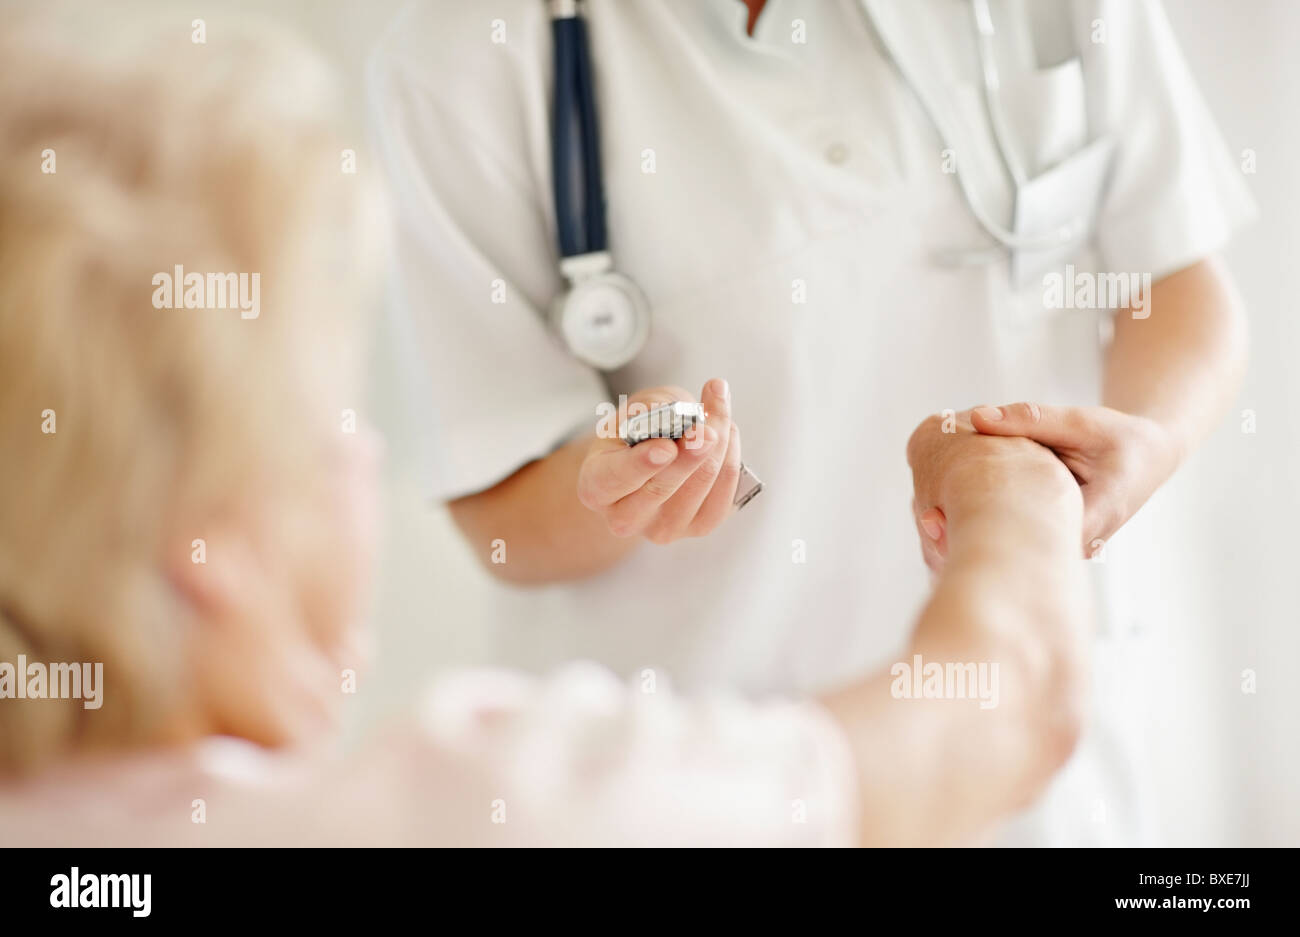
575	143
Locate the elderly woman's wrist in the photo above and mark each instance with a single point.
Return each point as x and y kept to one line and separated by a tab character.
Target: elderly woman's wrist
1025	473
1035	505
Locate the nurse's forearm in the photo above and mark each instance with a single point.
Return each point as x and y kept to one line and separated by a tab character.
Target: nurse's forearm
940	771
1182	365
549	536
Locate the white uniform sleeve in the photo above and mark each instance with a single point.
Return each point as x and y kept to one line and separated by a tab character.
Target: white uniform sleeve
1176	193
582	759
460	126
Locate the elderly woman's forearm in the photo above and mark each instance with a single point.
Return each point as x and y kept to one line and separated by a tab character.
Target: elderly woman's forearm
1012	600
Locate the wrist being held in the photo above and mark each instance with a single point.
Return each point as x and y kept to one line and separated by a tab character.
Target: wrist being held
960	476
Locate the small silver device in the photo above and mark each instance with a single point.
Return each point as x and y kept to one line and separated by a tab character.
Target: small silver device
674	421
747	488
668	421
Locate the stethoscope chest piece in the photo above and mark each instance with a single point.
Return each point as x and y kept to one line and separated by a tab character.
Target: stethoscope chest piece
604	318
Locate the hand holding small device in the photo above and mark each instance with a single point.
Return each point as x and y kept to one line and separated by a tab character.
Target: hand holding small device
670	474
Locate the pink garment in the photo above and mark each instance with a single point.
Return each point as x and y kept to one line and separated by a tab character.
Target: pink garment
492	758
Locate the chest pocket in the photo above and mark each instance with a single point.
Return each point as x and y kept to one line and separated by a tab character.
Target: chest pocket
1041	104
1044	112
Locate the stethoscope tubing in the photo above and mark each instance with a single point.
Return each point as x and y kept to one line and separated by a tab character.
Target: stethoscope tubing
575	143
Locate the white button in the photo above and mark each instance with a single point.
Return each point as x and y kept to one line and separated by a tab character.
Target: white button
837	153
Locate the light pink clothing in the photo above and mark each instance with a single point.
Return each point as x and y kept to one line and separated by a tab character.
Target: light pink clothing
492	758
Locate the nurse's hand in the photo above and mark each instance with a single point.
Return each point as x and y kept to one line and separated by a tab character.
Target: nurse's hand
1118	459
666	489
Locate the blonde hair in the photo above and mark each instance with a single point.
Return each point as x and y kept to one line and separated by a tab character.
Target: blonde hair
219	157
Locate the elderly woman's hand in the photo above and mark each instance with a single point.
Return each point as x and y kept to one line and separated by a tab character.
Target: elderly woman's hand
956	469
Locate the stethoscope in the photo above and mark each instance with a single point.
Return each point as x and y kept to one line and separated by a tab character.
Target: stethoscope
602	316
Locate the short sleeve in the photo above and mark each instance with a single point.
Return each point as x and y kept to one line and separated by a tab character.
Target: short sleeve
580	758
1176	194
459	123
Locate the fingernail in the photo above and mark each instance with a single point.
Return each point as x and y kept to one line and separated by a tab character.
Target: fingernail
718	387
992	414
661	455
933	530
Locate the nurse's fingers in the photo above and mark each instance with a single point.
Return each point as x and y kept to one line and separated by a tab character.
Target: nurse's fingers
612	472
716	400
666	393
675	515
679	513
633	513
1054	427
719	502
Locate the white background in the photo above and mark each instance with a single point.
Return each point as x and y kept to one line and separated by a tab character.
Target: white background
1227	764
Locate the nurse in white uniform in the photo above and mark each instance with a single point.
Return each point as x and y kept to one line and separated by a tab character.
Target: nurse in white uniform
851	211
